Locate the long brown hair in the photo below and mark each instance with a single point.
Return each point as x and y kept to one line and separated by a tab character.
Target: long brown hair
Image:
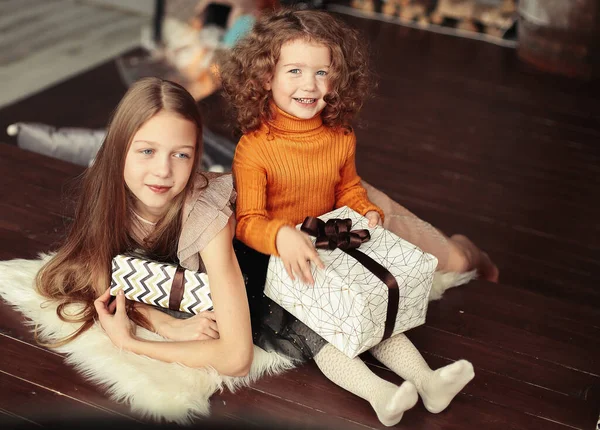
251	63
80	270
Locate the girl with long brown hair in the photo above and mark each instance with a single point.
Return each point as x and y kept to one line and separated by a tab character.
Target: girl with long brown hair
296	82
144	194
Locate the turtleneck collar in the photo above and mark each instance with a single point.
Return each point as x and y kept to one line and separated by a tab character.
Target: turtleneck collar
283	121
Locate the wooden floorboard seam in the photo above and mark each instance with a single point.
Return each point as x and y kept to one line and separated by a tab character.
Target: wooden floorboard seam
513	351
304	405
59	393
33	345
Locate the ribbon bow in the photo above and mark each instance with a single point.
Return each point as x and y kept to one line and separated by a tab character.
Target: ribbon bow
336	233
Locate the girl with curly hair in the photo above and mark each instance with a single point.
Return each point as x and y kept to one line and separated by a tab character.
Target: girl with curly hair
296	81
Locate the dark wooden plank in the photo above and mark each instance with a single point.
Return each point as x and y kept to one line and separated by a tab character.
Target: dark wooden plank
21	176
14	324
37	403
265	409
33	197
472	96
20	161
519	214
529	311
9	420
515	394
467	322
32	363
24	358
306	386
490	385
32	222
17	245
570	287
560	168
501	175
533	271
521	367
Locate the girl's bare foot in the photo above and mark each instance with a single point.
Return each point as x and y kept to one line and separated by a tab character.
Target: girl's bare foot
475	258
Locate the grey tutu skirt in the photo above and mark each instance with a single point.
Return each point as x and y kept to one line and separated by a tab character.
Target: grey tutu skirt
273	328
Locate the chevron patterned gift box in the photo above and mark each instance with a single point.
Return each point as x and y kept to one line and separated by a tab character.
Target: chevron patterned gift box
374	284
160	284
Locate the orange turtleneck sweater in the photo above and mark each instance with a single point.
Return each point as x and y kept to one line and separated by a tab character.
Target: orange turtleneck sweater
289	169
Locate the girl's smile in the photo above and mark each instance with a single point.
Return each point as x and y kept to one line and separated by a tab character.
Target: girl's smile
159	189
300	80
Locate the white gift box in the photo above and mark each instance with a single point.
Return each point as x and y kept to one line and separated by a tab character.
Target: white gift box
348	304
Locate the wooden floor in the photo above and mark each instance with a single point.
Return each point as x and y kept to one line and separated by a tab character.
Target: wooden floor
469	139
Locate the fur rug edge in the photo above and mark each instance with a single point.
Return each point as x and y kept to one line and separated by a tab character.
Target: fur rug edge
153	389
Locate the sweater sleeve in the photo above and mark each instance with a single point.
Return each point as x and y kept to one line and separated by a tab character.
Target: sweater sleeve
254	225
349	192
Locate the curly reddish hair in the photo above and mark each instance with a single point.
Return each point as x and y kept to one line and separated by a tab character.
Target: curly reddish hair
251	63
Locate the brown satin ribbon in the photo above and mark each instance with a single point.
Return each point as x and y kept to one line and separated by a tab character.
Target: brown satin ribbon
336	233
177	289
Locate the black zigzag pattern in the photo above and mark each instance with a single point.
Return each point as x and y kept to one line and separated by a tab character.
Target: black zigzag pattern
194	292
165	291
143	281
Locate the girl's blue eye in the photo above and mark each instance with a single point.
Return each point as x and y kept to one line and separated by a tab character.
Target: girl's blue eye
295	71
322	73
183	156
147	151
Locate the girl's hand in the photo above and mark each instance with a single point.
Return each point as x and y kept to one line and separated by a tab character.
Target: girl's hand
117	326
374	218
202	326
297	251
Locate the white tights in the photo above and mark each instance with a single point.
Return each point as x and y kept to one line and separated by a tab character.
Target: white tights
436	388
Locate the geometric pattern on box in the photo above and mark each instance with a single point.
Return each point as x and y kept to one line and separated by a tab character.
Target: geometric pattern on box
150	282
347	305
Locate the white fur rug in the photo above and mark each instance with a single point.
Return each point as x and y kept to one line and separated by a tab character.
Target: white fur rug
154	389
